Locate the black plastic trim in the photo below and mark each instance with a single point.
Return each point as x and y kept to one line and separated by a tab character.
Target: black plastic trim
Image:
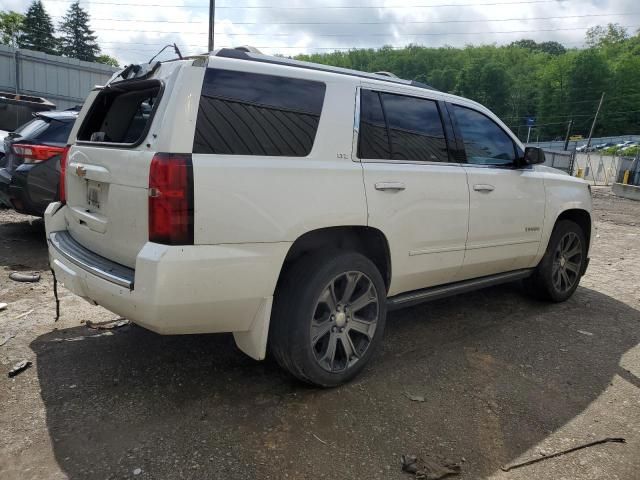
435	293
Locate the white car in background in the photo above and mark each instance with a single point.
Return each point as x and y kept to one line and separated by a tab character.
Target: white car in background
294	204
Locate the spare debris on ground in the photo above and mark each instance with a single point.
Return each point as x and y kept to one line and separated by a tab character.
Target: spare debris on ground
25	277
428	469
19	367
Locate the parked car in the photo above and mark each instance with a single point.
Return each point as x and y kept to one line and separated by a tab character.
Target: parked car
602	146
629	146
626	143
30	173
294	204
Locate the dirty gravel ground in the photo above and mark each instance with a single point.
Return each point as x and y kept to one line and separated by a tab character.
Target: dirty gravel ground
504	378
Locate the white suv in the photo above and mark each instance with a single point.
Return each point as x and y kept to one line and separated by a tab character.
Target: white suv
294	204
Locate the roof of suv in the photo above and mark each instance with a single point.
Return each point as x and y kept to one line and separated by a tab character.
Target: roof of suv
58	114
258	57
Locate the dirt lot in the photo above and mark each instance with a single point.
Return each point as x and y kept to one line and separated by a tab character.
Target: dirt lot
504	379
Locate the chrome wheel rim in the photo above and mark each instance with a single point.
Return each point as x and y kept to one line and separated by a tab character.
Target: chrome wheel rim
567	262
344	321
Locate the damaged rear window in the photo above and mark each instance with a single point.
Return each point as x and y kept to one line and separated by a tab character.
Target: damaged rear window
122	113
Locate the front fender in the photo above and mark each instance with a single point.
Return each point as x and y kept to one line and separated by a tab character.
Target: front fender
564	193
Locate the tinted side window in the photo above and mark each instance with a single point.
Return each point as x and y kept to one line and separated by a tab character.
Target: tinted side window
373	141
484	141
253	114
416	129
398	127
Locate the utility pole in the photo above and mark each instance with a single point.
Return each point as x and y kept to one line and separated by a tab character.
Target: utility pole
566	138
595	119
212	21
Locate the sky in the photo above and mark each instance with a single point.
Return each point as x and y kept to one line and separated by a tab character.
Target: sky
134	30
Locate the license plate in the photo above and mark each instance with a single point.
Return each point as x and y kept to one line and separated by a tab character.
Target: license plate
94	193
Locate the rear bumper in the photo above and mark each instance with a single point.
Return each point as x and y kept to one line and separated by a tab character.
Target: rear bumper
172	290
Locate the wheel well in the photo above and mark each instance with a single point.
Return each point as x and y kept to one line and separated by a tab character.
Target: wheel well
582	218
368	241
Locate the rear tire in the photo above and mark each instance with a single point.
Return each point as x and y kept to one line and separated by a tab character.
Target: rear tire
328	317
558	273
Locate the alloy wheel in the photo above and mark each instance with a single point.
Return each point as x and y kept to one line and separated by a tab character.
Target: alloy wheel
567	262
344	321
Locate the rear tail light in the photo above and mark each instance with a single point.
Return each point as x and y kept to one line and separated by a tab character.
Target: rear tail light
63	170
171	199
35	153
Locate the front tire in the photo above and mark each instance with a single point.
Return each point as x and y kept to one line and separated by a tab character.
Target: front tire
328	318
557	276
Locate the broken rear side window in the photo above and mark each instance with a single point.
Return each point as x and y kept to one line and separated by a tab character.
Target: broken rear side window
122	113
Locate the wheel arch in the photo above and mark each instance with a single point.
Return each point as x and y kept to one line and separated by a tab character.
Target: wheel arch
368	241
581	217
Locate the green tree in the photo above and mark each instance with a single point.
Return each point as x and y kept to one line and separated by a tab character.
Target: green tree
525	43
37	30
552	48
78	40
10	27
612	34
108	60
526	79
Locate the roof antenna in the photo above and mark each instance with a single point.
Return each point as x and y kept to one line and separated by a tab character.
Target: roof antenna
175	49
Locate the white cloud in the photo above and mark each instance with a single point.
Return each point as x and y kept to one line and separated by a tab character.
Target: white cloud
133	31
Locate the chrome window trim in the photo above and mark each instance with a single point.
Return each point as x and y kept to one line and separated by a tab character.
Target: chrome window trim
356	128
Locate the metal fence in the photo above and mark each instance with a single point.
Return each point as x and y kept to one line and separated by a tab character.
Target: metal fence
631	165
560	159
63	81
573	144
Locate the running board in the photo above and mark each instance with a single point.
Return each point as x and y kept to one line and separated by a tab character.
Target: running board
442	291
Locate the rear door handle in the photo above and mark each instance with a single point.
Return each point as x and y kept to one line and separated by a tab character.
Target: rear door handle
391	186
484	188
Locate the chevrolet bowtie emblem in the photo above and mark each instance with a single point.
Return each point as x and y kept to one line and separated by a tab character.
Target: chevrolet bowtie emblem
81	171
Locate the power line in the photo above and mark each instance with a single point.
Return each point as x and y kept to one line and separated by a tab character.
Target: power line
319	7
412	22
422	34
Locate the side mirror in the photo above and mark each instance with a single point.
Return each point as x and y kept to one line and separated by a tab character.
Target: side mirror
533	156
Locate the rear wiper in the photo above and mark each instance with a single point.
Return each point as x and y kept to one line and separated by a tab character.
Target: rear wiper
175	49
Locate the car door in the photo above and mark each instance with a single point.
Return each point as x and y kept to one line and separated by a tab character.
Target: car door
506	202
416	192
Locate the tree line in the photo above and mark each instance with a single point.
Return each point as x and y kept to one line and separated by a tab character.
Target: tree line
35	31
526	81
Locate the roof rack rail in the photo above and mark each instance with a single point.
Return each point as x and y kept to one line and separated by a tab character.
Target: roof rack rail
248	49
387	74
245	53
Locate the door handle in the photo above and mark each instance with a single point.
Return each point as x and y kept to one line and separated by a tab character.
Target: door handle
391	186
483	188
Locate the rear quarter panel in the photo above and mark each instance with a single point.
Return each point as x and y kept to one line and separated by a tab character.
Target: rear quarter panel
243	199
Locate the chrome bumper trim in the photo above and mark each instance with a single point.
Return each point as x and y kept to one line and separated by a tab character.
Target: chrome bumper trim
91	262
